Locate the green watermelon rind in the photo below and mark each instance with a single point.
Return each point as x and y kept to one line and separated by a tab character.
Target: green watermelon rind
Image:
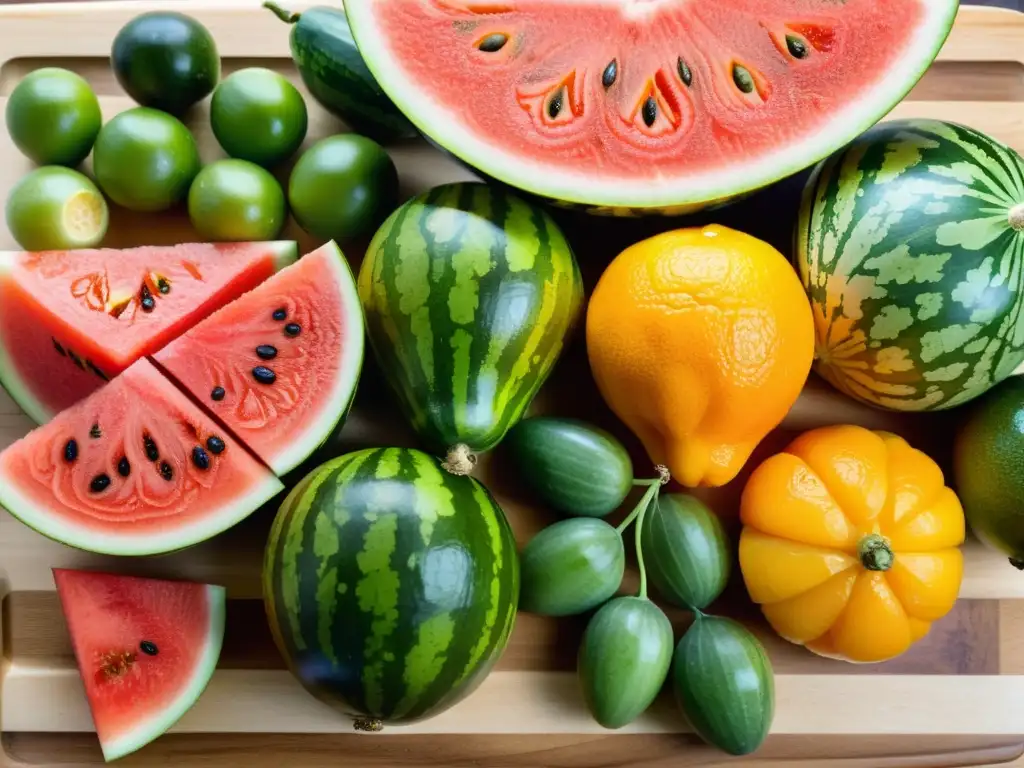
689	191
160	723
285	252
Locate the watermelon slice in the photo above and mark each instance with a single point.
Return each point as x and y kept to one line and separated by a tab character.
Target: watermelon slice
70	320
135	468
279	366
146	649
634	105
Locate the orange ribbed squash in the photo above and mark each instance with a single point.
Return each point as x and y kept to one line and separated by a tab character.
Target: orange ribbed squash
850	543
700	341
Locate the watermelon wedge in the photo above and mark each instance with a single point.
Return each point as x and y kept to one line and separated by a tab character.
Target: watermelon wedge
70	320
135	468
279	366
630	106
146	649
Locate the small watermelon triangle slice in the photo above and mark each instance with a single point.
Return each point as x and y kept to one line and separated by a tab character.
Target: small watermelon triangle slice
146	649
278	366
70	320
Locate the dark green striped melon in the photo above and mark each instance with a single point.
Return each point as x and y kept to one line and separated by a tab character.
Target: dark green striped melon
469	293
910	244
390	585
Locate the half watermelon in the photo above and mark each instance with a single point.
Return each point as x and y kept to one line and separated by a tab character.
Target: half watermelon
70	320
133	469
630	106
146	649
279	366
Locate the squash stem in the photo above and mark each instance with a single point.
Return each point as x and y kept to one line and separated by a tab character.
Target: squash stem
651	501
875	553
649	494
285	16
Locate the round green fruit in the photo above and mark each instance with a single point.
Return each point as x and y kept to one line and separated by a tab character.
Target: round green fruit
571	466
145	160
342	187
724	683
53	117
165	60
988	454
56	208
571	567
258	115
686	551
624	659
235	200
390	585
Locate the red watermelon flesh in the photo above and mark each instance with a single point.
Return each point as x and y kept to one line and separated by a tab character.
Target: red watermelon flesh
146	649
69	320
278	366
135	468
649	104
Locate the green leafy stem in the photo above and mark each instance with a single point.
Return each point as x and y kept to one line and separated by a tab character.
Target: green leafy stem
647	501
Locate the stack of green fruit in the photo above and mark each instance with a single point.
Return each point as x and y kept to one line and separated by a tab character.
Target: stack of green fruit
146	159
721	675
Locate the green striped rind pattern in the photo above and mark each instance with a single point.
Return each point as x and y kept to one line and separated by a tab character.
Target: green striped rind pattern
469	294
907	252
390	585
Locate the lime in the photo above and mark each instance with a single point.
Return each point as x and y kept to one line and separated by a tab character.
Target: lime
342	187
53	117
165	60
258	115
56	208
145	160
236	200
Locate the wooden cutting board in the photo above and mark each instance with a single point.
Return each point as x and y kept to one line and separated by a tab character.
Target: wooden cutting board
956	699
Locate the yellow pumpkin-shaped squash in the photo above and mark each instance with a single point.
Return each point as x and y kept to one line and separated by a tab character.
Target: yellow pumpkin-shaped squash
850	543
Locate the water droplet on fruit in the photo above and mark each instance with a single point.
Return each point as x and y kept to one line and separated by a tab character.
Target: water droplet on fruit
71	450
200	457
148	648
650	111
493	43
263	375
266	352
217	393
99	483
293	329
797	47
280	313
611	72
124	468
685	73
165	471
215	444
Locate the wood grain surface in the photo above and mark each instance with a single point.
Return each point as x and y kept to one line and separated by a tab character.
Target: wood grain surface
957	698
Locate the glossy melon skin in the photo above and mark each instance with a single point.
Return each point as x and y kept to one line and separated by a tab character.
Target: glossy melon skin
625	108
910	244
146	649
470	294
390	585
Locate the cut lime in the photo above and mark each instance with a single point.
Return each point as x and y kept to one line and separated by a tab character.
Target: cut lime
56	208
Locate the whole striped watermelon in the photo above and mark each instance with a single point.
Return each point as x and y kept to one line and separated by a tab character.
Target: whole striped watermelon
469	293
390	585
910	246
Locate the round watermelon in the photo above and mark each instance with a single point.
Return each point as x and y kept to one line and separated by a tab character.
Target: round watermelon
910	244
646	106
390	585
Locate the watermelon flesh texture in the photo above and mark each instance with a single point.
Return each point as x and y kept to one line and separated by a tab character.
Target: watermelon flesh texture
305	326
119	473
70	320
646	105
135	695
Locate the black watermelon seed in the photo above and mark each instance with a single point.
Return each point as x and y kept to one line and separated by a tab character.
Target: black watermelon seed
151	451
200	458
217	393
92	367
58	347
280	314
163	286
263	375
554	107
94	432
266	352
148	648
123	467
76	359
146	299
650	111
165	470
797	47
685	73
493	43
99	483
70	450
215	444
743	79
611	72
293	329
